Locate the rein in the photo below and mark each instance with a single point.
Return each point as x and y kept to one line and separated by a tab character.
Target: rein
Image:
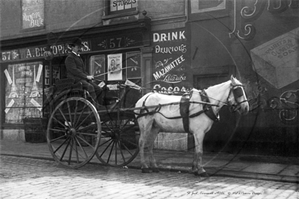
158	107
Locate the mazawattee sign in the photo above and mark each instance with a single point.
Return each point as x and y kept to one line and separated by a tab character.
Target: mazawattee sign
170	61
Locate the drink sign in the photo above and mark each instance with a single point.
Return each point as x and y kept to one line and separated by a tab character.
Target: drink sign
171	61
32	13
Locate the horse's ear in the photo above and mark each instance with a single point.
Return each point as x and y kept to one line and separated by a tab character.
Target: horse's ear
232	78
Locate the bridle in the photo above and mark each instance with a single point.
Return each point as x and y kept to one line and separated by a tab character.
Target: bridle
237	92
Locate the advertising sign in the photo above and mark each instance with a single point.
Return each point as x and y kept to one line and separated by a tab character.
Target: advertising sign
32	13
171	61
114	67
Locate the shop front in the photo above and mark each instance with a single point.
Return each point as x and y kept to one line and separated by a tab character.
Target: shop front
28	71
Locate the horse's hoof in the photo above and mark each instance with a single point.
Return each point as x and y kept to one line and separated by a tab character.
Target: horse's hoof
146	170
203	174
155	170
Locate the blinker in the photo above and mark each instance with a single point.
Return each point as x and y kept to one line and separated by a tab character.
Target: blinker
238	92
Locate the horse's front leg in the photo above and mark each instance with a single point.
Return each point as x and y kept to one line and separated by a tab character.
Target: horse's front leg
197	168
152	161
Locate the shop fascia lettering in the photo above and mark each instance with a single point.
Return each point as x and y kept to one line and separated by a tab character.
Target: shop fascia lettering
39	51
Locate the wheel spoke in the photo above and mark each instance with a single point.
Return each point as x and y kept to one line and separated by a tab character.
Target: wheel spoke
126	148
69	111
112	147
85	141
87	127
85	118
75	112
86	155
76	151
104	143
63	125
116	152
106	148
62	156
58	138
71	149
63	115
61	145
81	113
121	152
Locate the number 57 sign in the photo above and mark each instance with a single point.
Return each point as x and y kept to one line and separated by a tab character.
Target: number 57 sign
119	41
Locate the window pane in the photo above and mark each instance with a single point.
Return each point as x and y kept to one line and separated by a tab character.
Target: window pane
97	66
133	62
24	91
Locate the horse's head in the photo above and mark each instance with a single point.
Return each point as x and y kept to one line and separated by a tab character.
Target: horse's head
237	98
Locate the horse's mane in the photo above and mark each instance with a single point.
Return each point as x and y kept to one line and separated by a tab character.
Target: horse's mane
215	86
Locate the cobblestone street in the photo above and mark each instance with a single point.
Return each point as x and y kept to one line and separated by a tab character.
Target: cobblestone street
44	179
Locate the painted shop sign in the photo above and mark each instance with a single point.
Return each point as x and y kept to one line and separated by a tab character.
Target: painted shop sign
171	61
118	41
38	52
117	5
32	13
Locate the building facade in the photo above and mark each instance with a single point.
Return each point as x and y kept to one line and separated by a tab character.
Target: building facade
167	46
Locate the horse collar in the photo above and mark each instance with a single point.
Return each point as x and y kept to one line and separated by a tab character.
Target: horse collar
208	108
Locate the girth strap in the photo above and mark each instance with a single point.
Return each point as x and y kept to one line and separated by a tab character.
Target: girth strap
184	111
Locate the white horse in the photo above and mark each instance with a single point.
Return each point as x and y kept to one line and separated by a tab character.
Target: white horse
158	112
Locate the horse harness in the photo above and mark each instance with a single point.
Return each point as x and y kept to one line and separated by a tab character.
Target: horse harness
184	108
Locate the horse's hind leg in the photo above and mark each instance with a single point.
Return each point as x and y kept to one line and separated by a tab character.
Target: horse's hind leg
152	137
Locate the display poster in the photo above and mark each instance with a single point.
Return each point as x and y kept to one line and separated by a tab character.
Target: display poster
97	63
133	65
170	61
114	62
32	14
24	91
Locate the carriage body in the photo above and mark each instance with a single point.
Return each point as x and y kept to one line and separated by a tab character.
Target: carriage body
79	131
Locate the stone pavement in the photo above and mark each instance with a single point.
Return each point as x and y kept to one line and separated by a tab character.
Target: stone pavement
216	164
28	178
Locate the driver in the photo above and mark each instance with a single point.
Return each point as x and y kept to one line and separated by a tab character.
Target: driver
76	70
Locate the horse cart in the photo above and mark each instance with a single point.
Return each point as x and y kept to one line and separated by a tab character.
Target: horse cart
79	131
126	123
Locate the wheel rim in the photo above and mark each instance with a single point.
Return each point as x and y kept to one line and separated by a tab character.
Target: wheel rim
119	140
74	132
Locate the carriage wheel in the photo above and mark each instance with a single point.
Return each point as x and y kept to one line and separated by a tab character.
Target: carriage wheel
119	139
73	132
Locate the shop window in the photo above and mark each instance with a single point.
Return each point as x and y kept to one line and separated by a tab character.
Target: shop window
121	6
116	67
23	92
133	62
97	66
